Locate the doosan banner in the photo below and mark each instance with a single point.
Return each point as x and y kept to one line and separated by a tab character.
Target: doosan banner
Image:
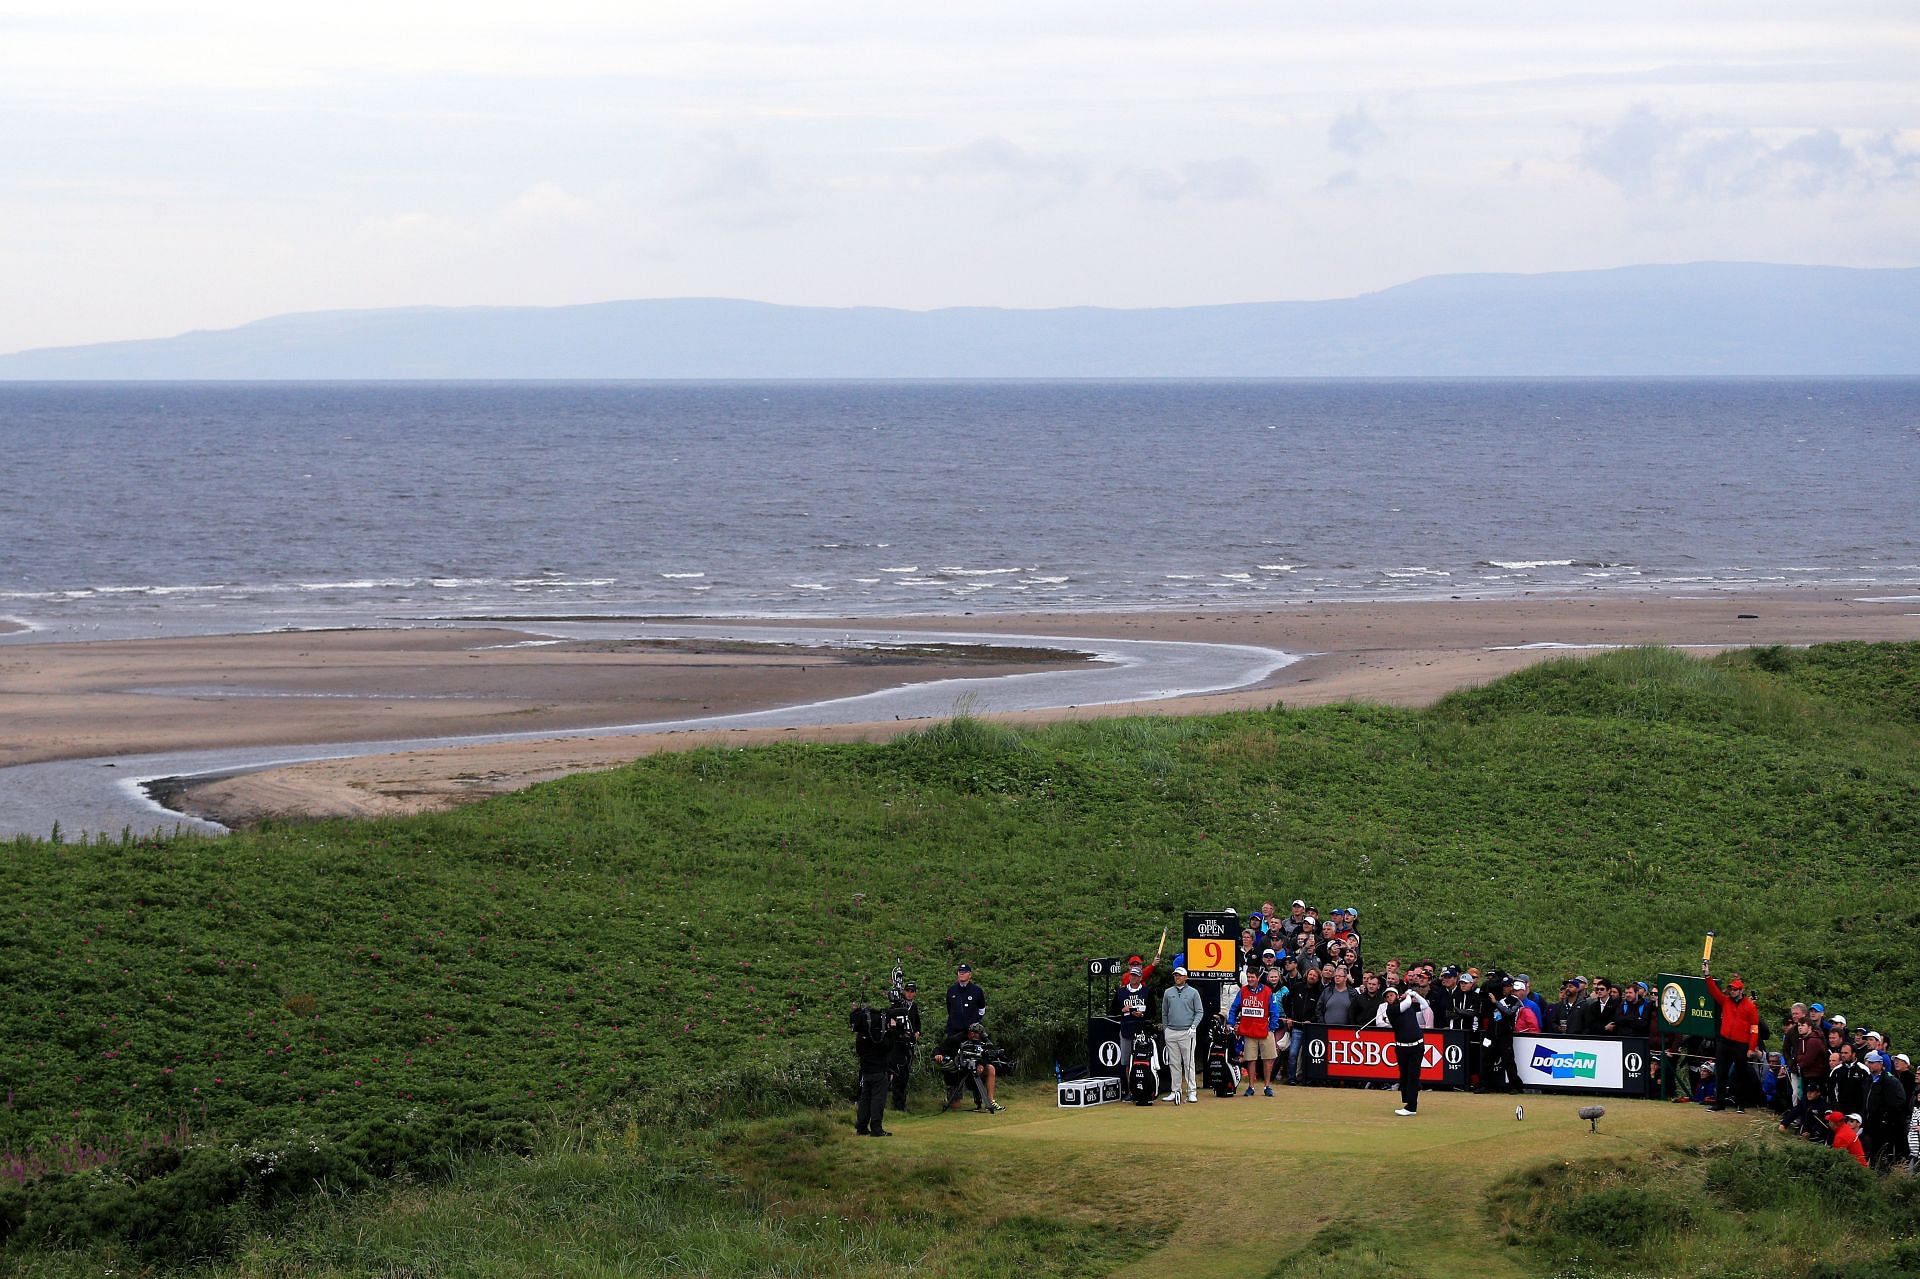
1573	1064
1340	1052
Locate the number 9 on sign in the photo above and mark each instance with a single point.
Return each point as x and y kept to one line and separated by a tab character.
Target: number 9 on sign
1207	955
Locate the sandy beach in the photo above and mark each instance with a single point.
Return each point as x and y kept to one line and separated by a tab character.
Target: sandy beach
78	702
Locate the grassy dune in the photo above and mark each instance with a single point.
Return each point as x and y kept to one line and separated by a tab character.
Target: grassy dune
226	1023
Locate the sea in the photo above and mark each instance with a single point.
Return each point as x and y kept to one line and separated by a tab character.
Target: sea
129	509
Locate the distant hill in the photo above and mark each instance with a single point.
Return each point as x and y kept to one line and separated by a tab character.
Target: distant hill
1702	318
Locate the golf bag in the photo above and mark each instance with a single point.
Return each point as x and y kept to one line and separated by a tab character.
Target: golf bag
1143	1068
1221	1074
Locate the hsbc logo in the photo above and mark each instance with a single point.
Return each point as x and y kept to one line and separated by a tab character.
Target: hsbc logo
1372	1054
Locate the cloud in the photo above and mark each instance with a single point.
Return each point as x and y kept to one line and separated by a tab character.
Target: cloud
547	204
1645	153
541	210
717	168
1233	177
1355	132
1628	152
997	158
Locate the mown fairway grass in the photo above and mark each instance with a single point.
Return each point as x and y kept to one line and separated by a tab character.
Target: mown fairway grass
1344	1187
679	940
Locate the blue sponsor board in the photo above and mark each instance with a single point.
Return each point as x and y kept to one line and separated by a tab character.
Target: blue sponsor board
1564	1065
1583	1063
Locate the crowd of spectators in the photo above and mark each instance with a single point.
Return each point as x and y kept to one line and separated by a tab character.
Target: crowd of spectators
1831	1082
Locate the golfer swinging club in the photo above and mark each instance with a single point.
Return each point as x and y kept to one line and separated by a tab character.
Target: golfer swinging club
1401	1013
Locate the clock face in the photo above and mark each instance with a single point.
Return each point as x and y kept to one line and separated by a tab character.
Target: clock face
1673	1003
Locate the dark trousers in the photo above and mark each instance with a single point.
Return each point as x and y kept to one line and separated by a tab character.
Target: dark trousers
872	1105
1496	1068
1409	1056
1729	1074
901	1070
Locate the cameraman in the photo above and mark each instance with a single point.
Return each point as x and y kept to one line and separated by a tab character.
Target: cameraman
906	1010
970	1062
874	1034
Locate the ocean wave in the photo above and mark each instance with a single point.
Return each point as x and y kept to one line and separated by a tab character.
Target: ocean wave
1277	568
977	572
1046	581
910	568
809	586
1524	564
675	577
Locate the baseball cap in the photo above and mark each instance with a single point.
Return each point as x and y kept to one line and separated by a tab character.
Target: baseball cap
1521	983
1302	905
1838	1020
1179	972
1736	984
1643	986
1133	970
1903	1059
964	968
1268	953
1816	1008
911	985
1450	971
1874	1034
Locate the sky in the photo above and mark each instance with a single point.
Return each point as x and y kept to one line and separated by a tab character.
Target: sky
168	166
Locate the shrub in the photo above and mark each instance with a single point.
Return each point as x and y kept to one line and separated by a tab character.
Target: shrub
1620	1218
1780	1174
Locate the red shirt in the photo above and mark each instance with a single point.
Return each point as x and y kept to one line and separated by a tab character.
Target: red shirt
1845	1138
1740	1021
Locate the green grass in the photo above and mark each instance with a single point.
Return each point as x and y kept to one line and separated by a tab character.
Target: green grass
680	939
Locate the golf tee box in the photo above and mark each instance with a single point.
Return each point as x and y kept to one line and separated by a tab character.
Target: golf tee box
1089	1092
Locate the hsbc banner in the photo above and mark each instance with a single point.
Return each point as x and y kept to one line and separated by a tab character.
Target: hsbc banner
1341	1052
1569	1063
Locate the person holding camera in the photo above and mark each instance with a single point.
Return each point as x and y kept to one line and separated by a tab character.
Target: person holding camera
906	1009
874	1033
971	1064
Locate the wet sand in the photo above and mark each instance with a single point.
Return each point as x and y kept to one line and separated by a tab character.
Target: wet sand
1399	653
78	700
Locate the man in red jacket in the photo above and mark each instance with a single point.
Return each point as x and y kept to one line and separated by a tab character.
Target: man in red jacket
1739	1039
